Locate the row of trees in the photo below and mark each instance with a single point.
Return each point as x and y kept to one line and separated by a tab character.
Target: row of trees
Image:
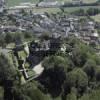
14	38
83	12
90	12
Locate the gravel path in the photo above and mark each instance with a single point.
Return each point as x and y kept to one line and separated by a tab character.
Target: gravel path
38	69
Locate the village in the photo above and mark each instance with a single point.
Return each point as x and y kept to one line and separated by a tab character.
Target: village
27	56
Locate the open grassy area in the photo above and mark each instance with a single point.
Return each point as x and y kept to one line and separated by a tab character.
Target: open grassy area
89	1
49	10
85	1
96	18
71	9
17	2
67	9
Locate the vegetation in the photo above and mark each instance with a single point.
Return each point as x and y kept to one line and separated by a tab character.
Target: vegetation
71	75
14	2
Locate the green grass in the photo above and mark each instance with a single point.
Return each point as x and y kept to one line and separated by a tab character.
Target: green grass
31	73
17	2
71	9
49	10
96	18
67	9
22	54
89	1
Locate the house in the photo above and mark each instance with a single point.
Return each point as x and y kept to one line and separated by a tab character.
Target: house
28	4
87	26
50	4
77	2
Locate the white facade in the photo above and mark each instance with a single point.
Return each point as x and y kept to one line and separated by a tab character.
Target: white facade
2	5
50	4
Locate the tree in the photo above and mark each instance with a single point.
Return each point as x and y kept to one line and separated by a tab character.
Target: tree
23	12
7	70
1	93
98	74
78	79
72	41
9	38
71	96
90	68
45	36
55	68
62	9
94	95
7	76
80	54
92	11
2	41
18	38
29	92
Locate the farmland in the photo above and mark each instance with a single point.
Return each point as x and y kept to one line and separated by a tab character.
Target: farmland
67	9
17	2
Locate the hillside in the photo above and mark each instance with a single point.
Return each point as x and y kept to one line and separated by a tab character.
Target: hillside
16	2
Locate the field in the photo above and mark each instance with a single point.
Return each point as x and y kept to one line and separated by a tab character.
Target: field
86	1
17	2
89	1
67	9
96	18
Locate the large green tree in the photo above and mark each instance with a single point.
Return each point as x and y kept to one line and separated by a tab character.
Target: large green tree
54	75
7	76
78	79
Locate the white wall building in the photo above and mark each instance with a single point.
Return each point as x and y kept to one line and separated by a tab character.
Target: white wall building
50	4
2	5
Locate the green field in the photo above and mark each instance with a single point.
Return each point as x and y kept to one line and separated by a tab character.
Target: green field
67	9
96	18
17	2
